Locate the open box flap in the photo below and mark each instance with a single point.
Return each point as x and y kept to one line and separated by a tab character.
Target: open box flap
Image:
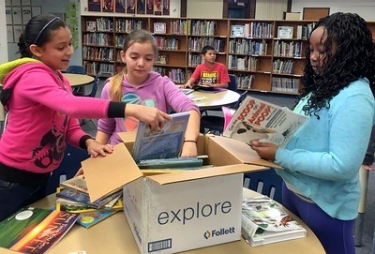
243	152
107	174
205	173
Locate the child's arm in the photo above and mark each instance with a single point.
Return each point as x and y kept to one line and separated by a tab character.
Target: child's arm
189	148
102	137
189	83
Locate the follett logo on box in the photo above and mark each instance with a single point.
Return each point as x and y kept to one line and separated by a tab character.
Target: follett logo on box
221	232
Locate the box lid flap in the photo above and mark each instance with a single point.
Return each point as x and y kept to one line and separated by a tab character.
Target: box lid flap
128	136
107	174
243	152
189	175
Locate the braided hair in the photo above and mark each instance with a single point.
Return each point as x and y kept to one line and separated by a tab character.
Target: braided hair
354	58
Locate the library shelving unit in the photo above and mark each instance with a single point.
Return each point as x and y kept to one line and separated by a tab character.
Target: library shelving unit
265	55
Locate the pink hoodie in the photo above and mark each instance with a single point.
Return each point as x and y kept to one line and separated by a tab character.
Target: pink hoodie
42	117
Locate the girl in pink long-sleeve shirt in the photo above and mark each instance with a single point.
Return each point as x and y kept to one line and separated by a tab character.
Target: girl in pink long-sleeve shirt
137	84
43	112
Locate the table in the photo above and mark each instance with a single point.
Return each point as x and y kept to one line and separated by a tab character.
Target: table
113	236
78	79
214	100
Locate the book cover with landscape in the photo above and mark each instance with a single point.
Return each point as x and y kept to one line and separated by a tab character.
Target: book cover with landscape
162	144
35	230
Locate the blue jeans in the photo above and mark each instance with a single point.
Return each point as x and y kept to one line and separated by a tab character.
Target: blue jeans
335	235
14	196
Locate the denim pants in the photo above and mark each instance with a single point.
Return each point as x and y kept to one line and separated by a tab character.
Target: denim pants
14	196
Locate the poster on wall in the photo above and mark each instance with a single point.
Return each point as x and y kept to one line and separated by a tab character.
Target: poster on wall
17	31
149	7
108	6
10	36
26	14
130	6
93	5
140	6
120	6
166	7
17	15
158	8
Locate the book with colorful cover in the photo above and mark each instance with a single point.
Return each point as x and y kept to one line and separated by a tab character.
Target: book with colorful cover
77	207
256	119
74	195
90	219
77	183
264	222
161	144
35	230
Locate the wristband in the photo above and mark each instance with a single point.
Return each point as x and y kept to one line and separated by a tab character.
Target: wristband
190	140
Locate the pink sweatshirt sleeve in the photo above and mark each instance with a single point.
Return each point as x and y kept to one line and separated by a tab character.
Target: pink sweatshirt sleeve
44	90
106	125
74	132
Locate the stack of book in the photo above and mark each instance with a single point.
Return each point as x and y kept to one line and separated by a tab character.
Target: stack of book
264	221
73	197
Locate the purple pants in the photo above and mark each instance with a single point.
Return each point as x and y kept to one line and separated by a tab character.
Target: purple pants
335	235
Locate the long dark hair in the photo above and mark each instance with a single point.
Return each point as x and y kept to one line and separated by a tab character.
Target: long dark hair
354	58
38	31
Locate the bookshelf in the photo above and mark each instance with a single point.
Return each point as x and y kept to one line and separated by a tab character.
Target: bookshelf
265	55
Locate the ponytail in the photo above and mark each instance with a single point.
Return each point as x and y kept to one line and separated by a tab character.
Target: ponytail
23	49
115	90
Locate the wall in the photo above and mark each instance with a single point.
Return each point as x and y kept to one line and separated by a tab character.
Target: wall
204	9
364	8
270	9
3	39
49	6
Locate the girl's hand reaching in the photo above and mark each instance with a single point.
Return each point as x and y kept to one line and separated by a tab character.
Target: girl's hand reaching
264	149
189	149
94	148
152	116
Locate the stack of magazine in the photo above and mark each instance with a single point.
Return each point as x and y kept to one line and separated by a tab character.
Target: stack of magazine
264	222
73	197
161	149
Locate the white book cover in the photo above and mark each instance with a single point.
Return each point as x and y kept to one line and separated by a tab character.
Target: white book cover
264	222
264	121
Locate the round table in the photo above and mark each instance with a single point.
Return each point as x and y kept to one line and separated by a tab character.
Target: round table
78	79
214	100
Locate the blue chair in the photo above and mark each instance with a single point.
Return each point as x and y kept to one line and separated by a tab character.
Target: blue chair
215	123
266	182
94	89
232	85
68	167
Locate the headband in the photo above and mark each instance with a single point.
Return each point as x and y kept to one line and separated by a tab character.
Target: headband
44	28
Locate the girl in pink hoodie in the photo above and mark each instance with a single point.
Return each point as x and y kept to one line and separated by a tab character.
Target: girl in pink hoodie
43	112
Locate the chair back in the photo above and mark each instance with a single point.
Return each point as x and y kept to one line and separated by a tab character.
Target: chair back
266	182
76	69
233	83
94	86
240	100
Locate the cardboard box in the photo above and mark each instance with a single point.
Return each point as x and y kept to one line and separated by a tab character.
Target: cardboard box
173	212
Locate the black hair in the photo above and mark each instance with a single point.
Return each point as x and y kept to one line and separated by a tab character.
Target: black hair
207	48
354	58
38	31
